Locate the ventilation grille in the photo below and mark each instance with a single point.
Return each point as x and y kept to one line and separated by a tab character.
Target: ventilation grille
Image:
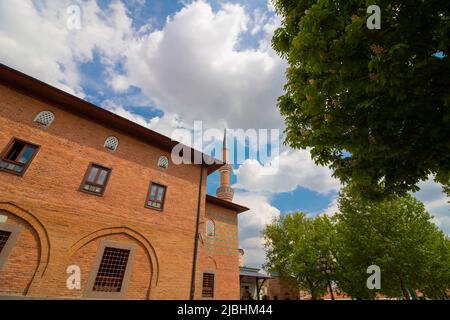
112	270
163	162
44	118
210	228
208	285
111	143
4	236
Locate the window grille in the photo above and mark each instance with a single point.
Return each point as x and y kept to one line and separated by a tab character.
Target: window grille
210	228
163	162
44	118
4	236
111	143
208	285
111	270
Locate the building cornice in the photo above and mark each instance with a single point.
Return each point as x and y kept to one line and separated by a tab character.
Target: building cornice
226	204
70	103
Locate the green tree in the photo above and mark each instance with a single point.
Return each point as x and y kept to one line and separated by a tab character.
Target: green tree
294	244
374	105
395	234
437	275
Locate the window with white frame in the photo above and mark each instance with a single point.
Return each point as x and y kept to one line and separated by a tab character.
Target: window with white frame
210	228
111	143
8	237
44	118
163	162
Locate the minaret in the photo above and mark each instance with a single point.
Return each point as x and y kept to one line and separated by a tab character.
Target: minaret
224	191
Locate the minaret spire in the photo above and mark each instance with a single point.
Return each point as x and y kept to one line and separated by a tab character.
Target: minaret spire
225	191
224	145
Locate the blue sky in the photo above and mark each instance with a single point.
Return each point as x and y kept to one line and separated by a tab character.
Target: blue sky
165	64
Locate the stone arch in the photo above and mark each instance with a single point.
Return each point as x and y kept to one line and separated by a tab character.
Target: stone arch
149	250
210	261
42	237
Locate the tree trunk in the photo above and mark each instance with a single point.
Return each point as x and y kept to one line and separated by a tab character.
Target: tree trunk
404	290
311	288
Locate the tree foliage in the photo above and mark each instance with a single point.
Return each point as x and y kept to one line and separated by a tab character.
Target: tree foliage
294	244
396	234
372	104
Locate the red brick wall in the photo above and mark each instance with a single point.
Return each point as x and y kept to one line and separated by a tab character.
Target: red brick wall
48	194
282	289
220	253
18	270
84	258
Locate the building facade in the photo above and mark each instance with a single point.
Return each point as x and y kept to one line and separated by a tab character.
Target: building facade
88	195
283	289
253	283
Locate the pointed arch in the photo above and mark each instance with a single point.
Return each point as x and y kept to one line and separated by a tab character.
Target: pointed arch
41	233
210	228
149	250
212	261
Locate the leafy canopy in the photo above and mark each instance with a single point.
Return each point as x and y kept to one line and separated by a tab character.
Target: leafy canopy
396	234
294	245
372	104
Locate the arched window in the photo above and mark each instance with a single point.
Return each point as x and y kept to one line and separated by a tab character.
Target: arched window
163	162
111	143
210	228
44	118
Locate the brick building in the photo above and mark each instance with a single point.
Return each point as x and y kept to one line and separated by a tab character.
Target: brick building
283	289
84	188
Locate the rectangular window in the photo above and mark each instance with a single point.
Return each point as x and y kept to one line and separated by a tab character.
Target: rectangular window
112	269
8	238
95	179
156	195
208	285
4	236
17	156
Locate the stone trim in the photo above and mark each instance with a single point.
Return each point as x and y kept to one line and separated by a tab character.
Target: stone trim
136	236
10	243
215	285
89	293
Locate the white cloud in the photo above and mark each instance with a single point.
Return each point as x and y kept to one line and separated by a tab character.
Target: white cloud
164	125
251	223
37	44
270	6
332	207
436	202
119	83
430	191
253	251
261	212
442	220
191	67
295	169
258	22
34	39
